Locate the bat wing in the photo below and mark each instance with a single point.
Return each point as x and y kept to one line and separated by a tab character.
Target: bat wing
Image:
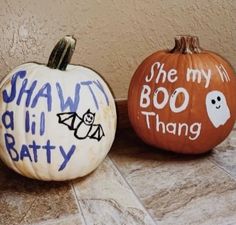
70	119
96	132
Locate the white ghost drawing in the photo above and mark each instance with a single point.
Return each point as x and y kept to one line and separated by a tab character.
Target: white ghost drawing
217	108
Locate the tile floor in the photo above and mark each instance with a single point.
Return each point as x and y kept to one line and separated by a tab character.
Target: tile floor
135	184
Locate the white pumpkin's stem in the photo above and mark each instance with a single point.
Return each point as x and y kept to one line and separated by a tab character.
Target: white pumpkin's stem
186	44
62	53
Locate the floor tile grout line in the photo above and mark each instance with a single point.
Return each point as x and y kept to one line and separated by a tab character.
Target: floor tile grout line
26	213
77	201
222	168
136	196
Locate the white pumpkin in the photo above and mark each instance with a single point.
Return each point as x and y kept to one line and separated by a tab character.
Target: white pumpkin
57	123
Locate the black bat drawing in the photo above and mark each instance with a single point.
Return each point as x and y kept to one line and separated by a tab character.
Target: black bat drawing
84	126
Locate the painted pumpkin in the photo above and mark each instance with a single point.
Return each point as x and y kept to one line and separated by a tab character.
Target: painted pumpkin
183	100
58	121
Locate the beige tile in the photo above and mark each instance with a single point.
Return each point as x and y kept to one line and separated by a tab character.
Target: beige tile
105	198
176	189
25	201
224	154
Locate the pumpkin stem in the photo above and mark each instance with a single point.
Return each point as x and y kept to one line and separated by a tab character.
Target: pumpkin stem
62	53
186	44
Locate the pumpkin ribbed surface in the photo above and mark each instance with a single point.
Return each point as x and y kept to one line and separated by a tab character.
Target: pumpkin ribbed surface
183	100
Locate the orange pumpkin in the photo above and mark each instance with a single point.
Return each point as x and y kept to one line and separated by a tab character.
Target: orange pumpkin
184	99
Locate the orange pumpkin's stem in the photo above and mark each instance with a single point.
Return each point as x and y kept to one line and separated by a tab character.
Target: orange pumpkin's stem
186	44
62	53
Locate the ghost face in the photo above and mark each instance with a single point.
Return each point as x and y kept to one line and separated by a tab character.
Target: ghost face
217	108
